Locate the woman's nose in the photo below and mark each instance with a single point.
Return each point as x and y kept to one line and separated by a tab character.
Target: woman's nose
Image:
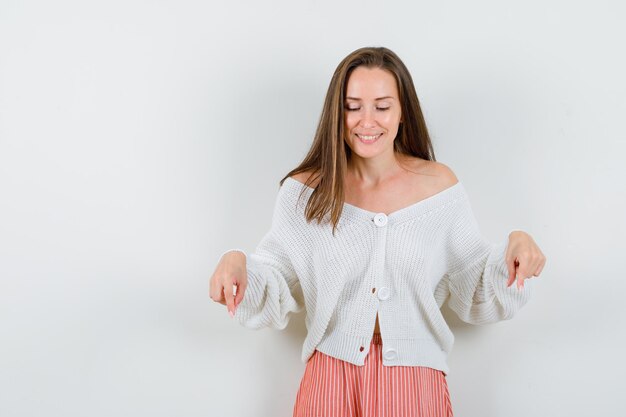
368	119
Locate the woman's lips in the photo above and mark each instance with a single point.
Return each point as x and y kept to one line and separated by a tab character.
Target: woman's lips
368	138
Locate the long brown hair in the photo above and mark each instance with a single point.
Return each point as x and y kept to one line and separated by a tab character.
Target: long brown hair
329	154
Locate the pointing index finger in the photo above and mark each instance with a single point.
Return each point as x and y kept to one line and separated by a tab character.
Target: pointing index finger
230	298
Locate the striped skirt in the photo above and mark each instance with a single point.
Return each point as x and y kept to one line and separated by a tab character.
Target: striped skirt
331	387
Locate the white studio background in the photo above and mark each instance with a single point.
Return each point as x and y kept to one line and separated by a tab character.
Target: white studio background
140	139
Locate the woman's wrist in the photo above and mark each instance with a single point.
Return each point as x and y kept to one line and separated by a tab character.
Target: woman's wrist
233	250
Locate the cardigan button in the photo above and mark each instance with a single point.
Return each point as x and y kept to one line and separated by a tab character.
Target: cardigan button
361	349
390	353
383	293
380	219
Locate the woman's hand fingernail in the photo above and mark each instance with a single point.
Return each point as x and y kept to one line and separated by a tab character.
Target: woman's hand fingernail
231	314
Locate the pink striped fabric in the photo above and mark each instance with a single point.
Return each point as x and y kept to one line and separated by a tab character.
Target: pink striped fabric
331	387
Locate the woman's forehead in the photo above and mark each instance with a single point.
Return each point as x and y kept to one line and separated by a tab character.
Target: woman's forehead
371	83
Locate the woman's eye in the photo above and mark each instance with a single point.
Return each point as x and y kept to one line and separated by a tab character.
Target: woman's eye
358	108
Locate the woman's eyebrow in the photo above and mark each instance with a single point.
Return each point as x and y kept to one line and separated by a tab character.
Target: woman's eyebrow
379	98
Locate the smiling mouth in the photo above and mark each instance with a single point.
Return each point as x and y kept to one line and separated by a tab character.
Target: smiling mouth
368	138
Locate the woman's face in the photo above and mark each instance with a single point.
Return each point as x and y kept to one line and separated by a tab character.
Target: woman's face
372	111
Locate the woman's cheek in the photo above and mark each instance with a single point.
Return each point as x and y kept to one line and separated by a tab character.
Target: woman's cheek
350	120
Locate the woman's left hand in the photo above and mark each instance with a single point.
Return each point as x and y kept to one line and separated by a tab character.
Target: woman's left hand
523	258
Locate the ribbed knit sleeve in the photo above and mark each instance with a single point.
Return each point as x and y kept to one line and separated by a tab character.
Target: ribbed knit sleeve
273	290
478	274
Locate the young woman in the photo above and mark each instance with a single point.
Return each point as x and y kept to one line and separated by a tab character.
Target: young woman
394	238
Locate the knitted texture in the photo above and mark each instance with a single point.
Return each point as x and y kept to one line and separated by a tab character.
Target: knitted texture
403	266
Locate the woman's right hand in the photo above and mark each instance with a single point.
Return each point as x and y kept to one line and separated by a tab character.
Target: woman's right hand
231	270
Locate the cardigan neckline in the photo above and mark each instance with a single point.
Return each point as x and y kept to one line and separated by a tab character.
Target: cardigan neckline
409	212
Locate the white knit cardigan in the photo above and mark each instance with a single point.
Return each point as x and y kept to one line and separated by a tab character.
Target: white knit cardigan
404	266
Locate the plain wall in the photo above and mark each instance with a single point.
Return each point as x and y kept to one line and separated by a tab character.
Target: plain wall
140	139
